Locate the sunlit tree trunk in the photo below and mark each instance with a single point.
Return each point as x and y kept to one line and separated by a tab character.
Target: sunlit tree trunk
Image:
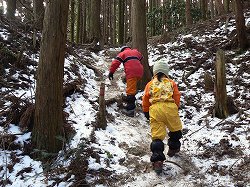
48	124
139	39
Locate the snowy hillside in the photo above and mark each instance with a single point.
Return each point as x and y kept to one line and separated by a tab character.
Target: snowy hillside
214	152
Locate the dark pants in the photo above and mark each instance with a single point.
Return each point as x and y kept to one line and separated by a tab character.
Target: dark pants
157	148
174	140
130	99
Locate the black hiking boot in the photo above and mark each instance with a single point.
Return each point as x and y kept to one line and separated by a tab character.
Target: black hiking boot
172	152
157	167
129	113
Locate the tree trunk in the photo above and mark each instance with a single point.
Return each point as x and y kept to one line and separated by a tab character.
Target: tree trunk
203	9
226	6
38	10
84	22
95	23
240	25
221	110
48	126
152	6
189	20
212	8
128	21
114	23
126	9
11	9
139	39
109	22
88	17
101	115
105	24
79	22
72	21
121	5
219	7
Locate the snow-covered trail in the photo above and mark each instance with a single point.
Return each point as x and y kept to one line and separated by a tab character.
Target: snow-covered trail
134	139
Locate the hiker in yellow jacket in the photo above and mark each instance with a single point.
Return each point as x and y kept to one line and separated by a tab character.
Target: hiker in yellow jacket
160	104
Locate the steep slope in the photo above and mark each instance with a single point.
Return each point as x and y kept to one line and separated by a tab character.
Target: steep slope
214	152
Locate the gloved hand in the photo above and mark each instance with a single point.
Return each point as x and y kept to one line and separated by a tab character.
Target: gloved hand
146	114
110	76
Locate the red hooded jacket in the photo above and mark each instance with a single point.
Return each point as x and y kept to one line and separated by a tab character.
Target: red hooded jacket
131	60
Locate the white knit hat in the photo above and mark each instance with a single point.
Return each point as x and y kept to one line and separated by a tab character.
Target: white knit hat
124	47
161	66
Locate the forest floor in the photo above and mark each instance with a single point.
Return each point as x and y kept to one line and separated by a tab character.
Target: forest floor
214	152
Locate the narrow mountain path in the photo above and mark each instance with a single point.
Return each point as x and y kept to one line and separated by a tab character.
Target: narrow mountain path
138	155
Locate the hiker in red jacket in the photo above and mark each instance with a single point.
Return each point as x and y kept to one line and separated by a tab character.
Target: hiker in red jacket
131	60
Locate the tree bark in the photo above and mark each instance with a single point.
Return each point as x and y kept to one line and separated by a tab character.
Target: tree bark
212	8
105	24
121	5
189	20
203	9
114	23
227	6
48	125
79	22
240	25
72	21
101	116
139	39
38	10
152	6
219	7
128	21
95	23
221	110
84	22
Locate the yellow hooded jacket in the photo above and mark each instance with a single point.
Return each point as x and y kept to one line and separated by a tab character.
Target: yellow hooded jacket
162	99
164	91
